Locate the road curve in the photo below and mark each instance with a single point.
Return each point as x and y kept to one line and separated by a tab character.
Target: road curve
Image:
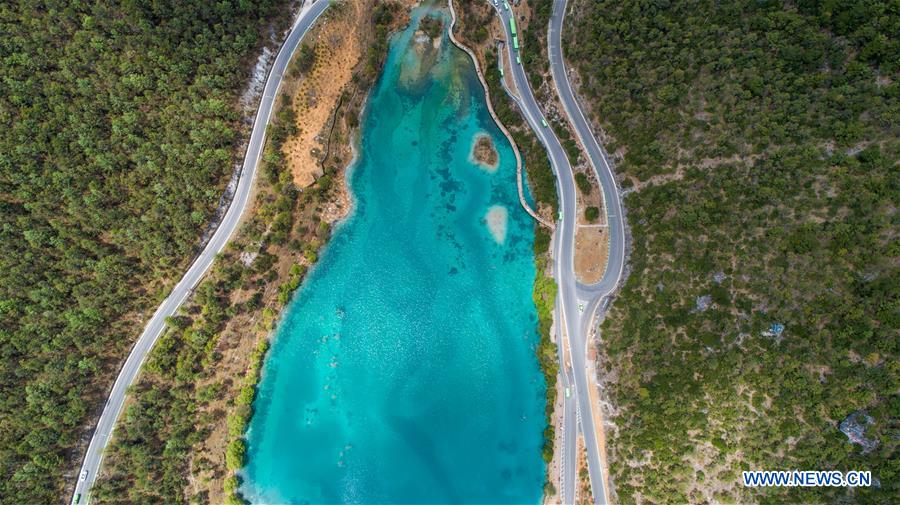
593	296
596	156
570	309
202	263
567	453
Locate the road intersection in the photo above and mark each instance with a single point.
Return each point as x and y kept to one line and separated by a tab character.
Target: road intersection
577	303
573	321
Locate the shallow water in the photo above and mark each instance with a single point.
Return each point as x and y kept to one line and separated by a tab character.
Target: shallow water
404	371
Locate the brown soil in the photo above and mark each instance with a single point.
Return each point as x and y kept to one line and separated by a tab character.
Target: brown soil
315	96
591	238
583	482
484	153
343	36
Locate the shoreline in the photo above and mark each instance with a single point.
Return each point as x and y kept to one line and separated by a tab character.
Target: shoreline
544	287
489	167
500	125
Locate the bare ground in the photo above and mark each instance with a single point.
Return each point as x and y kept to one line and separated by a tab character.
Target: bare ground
591	253
338	49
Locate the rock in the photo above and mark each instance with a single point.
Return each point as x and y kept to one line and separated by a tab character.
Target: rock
703	303
718	277
247	258
854	426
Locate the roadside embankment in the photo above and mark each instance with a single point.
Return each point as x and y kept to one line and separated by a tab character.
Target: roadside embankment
473	30
184	422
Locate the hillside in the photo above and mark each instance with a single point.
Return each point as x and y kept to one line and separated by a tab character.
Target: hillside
758	146
122	126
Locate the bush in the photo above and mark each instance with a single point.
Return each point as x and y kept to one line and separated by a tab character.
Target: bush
584	184
235	454
592	214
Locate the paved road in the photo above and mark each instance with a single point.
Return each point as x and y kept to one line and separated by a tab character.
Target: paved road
202	263
578	303
597	158
592	296
567	453
564	270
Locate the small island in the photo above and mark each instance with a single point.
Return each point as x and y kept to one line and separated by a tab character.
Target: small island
484	153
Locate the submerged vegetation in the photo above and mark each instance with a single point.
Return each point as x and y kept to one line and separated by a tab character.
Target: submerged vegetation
760	142
168	446
120	128
474	18
169	414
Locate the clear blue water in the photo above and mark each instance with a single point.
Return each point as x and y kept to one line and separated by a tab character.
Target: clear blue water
403	370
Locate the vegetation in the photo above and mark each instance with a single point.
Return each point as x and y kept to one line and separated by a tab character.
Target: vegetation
475	16
761	140
534	42
583	183
544	295
592	214
165	449
305	60
432	25
168	414
384	17
120	127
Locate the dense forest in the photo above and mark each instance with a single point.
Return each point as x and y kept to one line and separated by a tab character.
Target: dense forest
200	379
154	452
121	127
758	145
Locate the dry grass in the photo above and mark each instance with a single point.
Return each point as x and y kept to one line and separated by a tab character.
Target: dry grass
339	48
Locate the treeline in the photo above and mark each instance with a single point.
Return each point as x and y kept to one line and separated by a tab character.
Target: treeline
471	29
155	448
165	449
762	307
120	129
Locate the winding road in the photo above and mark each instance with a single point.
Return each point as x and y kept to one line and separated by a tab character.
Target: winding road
577	303
591	296
157	323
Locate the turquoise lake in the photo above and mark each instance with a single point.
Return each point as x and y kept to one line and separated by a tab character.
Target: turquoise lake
404	370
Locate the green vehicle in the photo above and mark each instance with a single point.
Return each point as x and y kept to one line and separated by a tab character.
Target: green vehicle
544	122
512	26
505	5
77	499
515	42
518	60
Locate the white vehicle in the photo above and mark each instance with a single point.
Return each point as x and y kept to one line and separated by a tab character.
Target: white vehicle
83	476
567	393
495	3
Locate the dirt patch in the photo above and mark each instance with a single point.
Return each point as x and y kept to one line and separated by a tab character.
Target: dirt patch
484	154
317	87
583	481
591	250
